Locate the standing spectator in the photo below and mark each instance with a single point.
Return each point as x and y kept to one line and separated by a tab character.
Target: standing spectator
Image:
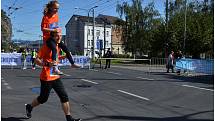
170	63
108	55
33	56
23	59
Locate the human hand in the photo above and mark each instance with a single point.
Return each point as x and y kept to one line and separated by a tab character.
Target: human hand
59	30
53	63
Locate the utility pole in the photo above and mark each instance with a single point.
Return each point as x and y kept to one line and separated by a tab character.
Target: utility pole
88	23
41	38
167	14
93	46
167	33
185	27
104	35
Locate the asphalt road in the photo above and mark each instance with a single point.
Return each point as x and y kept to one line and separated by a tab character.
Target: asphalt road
116	94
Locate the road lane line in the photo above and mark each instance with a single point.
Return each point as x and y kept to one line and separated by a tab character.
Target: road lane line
144	78
197	87
133	95
94	70
8	87
114	73
66	74
5	83
89	81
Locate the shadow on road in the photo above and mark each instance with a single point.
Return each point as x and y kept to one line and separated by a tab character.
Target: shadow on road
14	119
142	118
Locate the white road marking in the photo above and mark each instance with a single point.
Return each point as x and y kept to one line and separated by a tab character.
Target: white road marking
94	70
8	87
133	95
89	81
144	78
5	83
66	74
197	87
114	73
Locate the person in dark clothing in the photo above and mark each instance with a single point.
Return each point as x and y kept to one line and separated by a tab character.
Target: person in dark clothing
170	63
108	61
33	56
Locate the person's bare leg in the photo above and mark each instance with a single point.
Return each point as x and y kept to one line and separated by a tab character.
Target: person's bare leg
35	103
66	108
29	107
67	112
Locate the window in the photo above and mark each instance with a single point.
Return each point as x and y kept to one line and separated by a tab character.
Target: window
91	31
88	42
107	33
97	33
91	42
106	43
88	32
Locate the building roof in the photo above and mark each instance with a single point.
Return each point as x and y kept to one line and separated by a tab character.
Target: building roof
100	19
109	19
86	19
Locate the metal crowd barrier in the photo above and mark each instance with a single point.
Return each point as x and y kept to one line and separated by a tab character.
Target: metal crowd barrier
14	60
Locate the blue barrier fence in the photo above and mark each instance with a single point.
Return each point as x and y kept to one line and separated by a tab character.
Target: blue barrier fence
196	65
14	59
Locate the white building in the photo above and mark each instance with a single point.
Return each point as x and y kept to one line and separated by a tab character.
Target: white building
79	35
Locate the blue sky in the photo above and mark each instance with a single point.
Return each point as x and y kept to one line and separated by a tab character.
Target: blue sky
28	17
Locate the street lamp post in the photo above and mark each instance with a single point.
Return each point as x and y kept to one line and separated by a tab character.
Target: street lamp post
93	47
185	26
41	37
88	21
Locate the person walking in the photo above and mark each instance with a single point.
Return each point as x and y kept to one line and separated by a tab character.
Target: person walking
170	63
108	61
48	81
50	24
33	56
23	59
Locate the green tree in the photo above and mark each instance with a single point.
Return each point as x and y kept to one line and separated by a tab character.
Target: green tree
199	29
139	25
6	31
144	31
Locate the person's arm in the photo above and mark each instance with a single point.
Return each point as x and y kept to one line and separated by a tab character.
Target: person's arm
65	49
51	30
38	61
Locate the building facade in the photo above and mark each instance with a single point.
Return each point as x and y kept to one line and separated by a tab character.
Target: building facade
116	34
79	36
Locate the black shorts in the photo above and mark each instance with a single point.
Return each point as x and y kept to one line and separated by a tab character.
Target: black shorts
46	87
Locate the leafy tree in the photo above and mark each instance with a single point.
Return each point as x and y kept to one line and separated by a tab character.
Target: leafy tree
145	32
